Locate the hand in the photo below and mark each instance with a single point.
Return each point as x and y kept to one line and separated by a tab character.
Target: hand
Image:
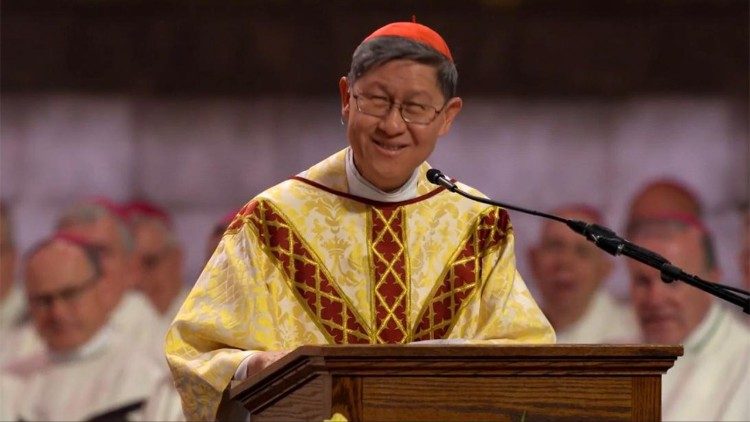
260	360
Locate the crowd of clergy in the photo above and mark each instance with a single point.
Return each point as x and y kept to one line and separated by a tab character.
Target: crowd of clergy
84	312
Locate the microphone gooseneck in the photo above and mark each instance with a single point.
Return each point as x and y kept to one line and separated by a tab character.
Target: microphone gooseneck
607	240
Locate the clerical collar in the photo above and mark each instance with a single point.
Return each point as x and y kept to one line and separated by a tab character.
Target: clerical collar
91	348
705	331
359	186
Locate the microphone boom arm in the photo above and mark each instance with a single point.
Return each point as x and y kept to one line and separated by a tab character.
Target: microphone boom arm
607	240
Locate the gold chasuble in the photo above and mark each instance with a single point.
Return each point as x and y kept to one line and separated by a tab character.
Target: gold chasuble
307	263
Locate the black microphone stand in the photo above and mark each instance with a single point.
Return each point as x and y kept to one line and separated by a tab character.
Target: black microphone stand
607	240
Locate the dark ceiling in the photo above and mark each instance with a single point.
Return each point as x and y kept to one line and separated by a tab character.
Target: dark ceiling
286	47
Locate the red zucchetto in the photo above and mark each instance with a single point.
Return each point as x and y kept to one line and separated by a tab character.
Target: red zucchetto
416	32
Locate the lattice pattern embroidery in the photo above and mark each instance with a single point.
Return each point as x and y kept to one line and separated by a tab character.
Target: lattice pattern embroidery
312	284
391	280
462	278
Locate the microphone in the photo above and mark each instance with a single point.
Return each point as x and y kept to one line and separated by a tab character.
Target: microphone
437	177
607	240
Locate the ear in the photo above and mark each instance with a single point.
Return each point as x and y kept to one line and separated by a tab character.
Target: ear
451	111
344	92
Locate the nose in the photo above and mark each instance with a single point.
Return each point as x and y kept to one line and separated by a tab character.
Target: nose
392	123
57	308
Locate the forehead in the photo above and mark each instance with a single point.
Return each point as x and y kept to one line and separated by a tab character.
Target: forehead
404	76
56	266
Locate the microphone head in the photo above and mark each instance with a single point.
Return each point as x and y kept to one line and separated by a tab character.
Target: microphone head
434	175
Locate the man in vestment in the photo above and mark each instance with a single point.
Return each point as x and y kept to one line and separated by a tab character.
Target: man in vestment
160	258
87	368
103	223
711	381
360	248
569	272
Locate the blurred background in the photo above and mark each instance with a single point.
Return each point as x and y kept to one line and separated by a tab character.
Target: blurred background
199	105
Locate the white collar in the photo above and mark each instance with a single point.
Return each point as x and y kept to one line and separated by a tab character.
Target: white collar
359	186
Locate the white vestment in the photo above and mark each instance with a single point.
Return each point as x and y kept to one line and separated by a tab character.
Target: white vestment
711	382
103	375
134	316
137	318
605	321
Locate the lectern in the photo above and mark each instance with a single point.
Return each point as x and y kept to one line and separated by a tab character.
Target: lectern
452	383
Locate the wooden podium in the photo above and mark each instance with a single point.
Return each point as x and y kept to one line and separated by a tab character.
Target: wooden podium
467	383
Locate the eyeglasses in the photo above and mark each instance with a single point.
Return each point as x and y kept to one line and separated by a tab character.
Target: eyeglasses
66	295
415	113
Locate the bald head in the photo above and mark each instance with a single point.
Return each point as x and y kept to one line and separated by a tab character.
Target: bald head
664	197
62	288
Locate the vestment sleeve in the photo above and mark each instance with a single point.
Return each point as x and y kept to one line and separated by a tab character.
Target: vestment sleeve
503	310
230	310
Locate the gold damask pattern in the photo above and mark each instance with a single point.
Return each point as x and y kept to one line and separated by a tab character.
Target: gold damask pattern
390	294
299	253
312	284
462	277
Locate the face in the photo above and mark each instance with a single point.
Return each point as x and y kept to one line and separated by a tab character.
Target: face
567	268
118	266
64	298
387	150
159	261
668	313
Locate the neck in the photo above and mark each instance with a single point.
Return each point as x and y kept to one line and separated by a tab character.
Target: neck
361	186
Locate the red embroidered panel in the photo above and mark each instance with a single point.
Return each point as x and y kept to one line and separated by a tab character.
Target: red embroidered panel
391	283
322	299
462	278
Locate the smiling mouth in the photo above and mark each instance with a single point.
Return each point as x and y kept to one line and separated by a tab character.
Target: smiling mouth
393	148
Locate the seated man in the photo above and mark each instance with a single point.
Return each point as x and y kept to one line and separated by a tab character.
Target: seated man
569	272
160	258
711	382
88	367
103	223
